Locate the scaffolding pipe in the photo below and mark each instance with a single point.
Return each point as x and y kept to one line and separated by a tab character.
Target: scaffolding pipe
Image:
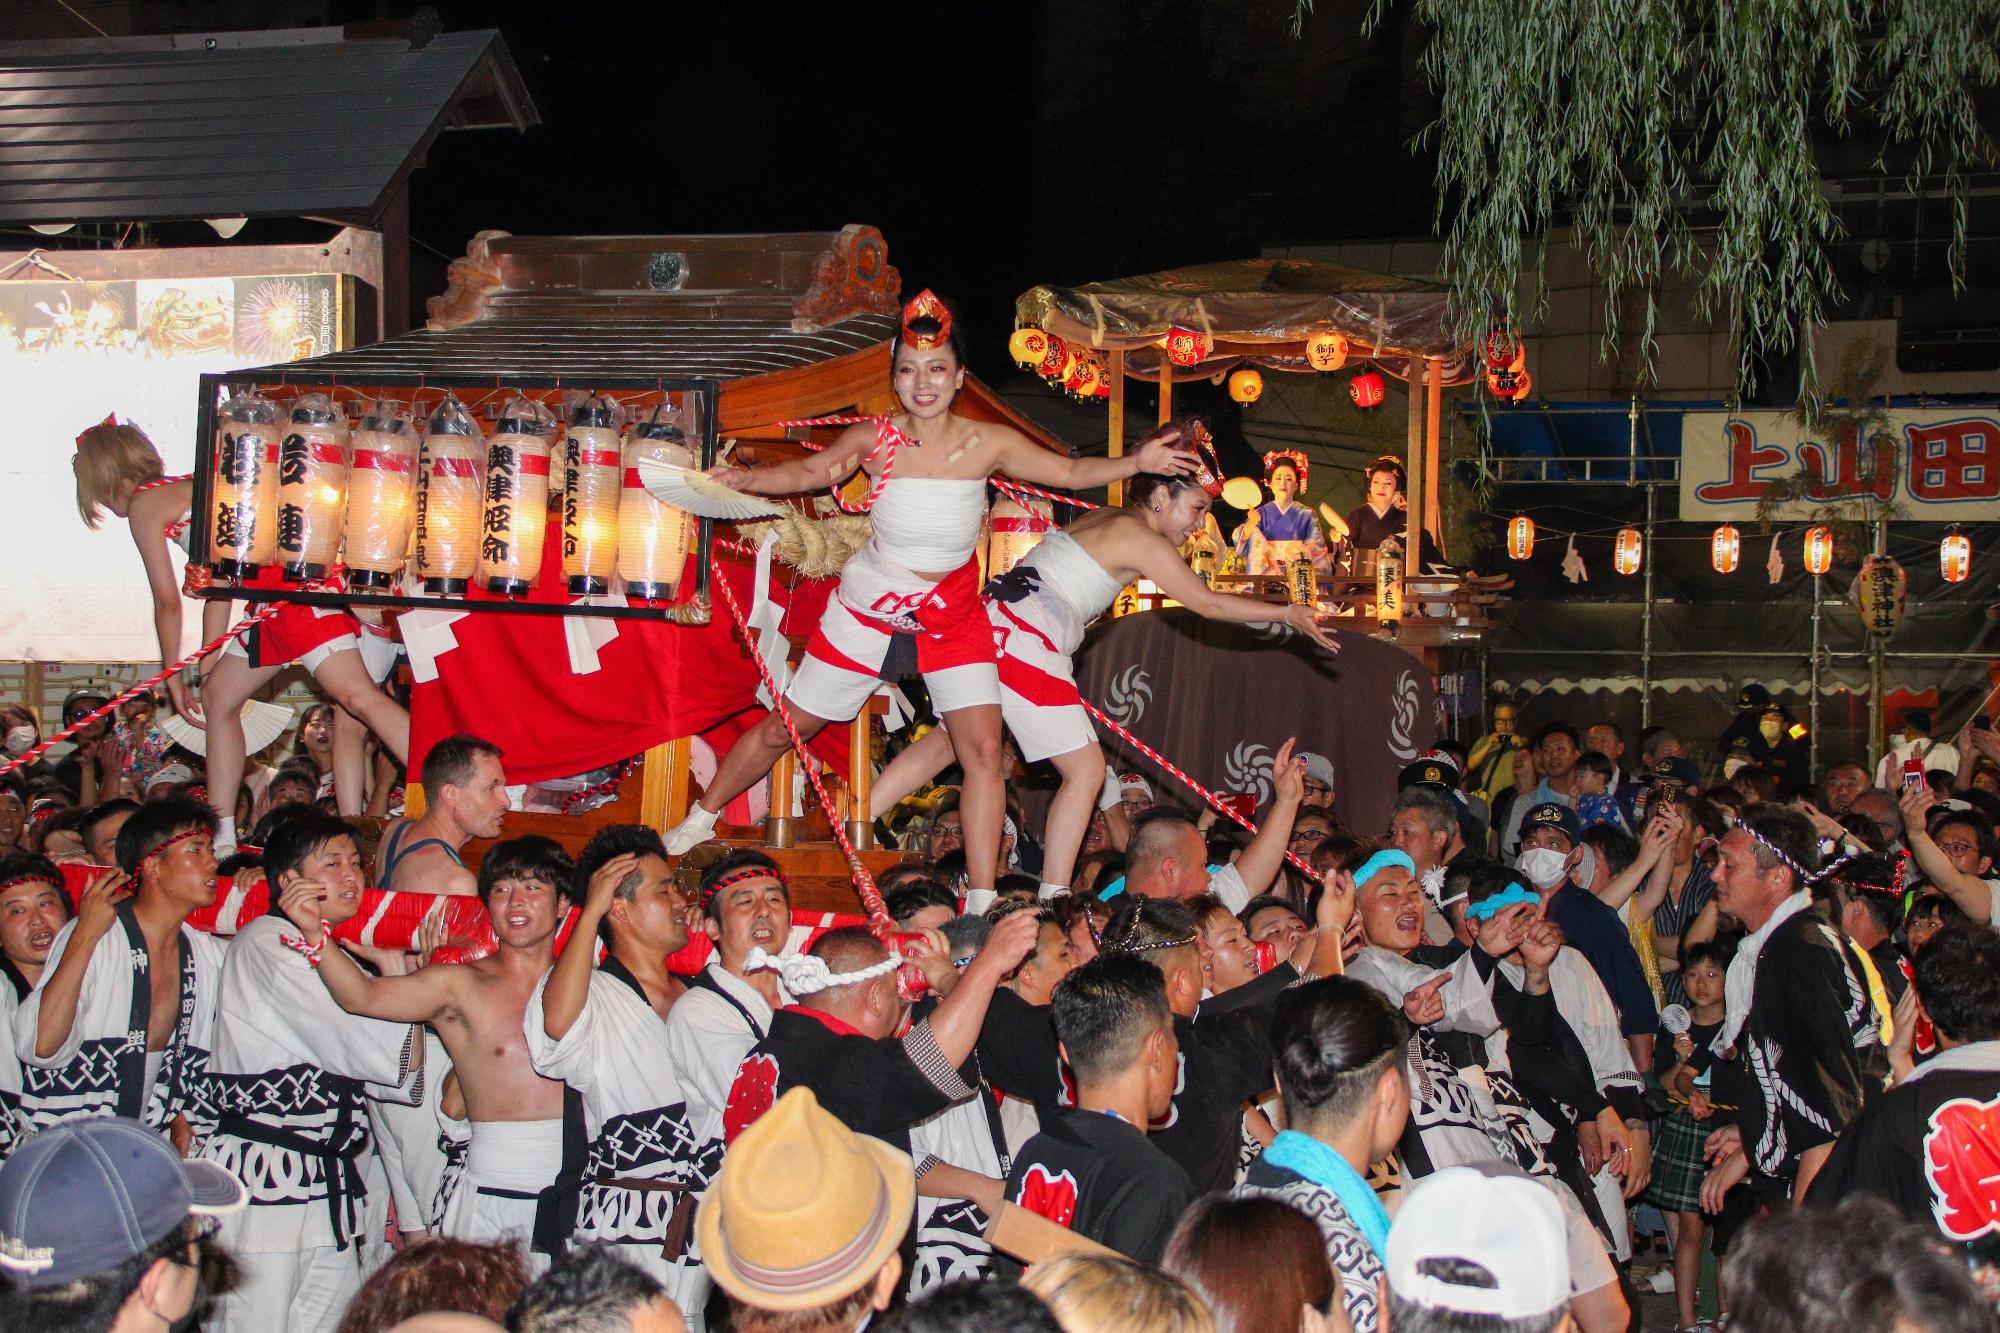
1812	704
1646	620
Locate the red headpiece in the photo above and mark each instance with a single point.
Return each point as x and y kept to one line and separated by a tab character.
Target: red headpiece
1292	456
737	876
926	306
1208	468
110	419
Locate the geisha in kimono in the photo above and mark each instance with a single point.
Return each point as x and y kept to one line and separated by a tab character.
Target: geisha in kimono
1281	530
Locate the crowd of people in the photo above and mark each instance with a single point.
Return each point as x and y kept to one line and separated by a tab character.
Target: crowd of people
1582	1019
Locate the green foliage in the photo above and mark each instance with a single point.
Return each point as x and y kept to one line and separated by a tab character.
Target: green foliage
1627	118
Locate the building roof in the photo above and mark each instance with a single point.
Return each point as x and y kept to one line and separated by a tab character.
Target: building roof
296	123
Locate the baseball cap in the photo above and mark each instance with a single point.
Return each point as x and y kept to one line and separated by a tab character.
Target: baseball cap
89	693
1491	1218
1133	782
1430	770
84	1196
1678	770
1318	768
1551	814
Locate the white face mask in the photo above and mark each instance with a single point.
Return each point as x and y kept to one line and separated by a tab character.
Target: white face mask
1544	866
20	739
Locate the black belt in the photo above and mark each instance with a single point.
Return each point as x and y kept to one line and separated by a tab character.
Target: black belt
674	1237
344	1188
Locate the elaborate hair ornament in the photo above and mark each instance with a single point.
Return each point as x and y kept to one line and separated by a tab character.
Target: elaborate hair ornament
1291	456
1208	467
110	419
926	307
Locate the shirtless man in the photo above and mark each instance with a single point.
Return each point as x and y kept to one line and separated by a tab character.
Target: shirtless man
465	797
477	1009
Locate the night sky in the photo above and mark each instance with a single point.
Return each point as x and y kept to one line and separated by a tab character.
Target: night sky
996	146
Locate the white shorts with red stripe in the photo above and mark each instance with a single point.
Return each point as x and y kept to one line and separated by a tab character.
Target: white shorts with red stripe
1039	700
942	626
308	635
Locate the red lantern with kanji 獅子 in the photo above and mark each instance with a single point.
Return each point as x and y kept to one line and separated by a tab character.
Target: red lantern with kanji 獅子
1185	347
1367	389
1055	359
1502	383
1955	556
1628	552
1521	537
1819	549
1246	386
1725	549
1502	348
1326	351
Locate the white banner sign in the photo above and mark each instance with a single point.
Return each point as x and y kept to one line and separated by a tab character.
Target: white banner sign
1935	466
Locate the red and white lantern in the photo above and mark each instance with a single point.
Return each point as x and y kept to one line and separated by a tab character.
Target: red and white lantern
1725	549
1819	549
1628	552
1521	537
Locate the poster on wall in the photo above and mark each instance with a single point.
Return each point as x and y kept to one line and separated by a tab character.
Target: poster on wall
1937	465
76	352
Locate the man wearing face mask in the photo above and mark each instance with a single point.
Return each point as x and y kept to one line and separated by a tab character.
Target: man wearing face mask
1554	860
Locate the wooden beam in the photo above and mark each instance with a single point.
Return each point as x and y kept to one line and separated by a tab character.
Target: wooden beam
664	784
1115	427
1166	390
1433	447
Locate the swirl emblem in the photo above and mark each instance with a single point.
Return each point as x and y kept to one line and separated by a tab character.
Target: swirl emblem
1403	718
1131	690
1248	770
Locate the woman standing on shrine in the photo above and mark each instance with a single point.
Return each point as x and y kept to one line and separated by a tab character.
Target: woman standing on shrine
909	599
1039	610
118	469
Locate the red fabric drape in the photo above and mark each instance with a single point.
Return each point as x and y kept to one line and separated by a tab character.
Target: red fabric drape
510	681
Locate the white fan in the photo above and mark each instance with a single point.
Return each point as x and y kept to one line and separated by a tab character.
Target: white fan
685	488
262	724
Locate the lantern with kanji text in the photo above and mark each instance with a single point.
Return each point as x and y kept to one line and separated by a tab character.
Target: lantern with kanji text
1880	589
593	481
1326	351
1725	549
244	536
1055	360
1521	537
1628	551
1367	389
381	496
449	486
516	516
1819	549
654	538
312	487
1185	347
1955	556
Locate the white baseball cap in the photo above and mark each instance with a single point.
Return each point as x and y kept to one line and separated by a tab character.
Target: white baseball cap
1491	1216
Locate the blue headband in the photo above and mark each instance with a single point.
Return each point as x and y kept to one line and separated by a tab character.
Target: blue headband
1500	902
1381	861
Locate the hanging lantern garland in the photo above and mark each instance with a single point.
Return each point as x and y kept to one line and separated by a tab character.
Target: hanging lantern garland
1628	552
1955	556
1521	537
1819	549
1725	549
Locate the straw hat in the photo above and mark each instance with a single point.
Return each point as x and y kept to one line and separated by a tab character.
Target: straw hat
805	1210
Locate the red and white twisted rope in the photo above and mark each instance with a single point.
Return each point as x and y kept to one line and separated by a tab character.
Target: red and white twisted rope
1215	802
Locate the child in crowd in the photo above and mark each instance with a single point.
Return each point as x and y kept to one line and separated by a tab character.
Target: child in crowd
1594	802
1683	1063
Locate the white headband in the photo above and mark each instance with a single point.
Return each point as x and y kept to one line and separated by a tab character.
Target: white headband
808	974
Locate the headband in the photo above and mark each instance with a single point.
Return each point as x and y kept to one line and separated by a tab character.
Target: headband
182	836
926	305
740	874
1433	882
1291	456
1126	945
808	974
1381	861
1500	902
1806	878
32	877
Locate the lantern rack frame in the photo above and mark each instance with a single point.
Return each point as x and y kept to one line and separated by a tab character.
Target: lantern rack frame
216	388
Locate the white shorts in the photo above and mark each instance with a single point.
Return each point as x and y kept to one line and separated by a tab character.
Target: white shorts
1039	700
943	624
509	1163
